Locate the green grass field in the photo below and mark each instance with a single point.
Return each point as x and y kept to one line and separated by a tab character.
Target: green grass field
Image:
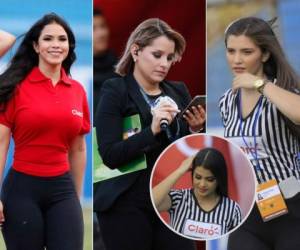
88	236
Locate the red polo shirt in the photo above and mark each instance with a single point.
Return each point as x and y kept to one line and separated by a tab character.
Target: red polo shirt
44	119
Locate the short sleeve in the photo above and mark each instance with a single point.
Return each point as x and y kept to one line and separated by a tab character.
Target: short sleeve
86	123
237	216
7	116
224	105
176	197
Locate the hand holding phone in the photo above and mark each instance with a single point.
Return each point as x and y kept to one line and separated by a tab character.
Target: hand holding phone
197	100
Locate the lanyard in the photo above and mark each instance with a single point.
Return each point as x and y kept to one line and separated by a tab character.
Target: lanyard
148	100
255	154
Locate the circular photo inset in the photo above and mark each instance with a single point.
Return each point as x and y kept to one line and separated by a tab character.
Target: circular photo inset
202	187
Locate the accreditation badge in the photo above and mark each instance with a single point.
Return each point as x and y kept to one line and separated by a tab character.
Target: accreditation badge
270	201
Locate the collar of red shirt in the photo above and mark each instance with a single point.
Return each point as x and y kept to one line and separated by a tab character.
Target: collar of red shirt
37	76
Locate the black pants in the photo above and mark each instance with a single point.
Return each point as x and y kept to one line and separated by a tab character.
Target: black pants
41	212
282	233
132	224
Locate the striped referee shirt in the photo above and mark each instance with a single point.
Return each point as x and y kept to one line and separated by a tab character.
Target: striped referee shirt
277	149
188	218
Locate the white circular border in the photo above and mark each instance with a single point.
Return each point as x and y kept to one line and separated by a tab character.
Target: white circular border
178	141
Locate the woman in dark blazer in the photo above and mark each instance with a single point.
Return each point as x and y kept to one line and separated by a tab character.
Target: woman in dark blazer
123	205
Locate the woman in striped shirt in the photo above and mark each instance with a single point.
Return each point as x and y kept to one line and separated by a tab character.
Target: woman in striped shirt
260	113
205	211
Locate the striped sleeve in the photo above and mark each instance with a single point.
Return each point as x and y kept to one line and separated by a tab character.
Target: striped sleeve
237	216
223	105
176	196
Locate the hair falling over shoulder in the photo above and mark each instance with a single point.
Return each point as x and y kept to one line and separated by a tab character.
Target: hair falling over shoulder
277	66
25	58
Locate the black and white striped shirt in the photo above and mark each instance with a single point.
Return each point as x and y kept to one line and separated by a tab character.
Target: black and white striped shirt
277	148
188	218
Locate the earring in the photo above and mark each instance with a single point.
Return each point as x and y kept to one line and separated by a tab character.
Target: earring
134	59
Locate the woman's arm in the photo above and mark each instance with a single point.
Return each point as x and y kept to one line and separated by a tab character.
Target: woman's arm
6	41
160	192
286	101
77	160
114	150
5	133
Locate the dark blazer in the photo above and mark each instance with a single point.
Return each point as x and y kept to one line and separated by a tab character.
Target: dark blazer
121	97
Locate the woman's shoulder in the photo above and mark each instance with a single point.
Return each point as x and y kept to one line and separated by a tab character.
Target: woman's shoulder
175	84
231	202
182	192
227	94
116	83
227	99
76	84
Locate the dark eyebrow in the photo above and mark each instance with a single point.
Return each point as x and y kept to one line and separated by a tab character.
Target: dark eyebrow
211	176
49	35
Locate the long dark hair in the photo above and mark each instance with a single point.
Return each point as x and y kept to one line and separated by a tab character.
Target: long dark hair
213	160
277	66
25	59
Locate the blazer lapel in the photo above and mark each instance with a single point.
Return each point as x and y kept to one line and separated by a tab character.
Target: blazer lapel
137	98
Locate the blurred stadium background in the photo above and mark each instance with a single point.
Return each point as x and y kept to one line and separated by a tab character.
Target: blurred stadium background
17	17
219	14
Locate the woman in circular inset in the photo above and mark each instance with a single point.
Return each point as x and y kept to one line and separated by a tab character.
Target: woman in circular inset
142	92
260	114
205	210
46	113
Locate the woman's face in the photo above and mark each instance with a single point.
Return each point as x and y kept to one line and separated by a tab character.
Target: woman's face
243	55
204	182
52	46
154	61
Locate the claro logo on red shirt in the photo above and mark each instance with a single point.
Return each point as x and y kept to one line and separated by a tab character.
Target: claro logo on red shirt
76	112
199	229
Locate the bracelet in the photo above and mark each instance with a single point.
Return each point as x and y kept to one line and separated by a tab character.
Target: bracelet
198	131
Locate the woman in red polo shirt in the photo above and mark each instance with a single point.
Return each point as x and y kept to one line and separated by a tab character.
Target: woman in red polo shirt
47	114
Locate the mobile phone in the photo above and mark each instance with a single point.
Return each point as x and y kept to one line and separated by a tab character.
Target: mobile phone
197	100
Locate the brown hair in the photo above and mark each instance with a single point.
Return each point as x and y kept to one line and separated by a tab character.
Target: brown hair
261	33
277	66
143	35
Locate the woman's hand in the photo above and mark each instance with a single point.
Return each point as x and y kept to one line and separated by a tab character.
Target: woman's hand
160	192
245	80
196	118
1	214
165	111
186	165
